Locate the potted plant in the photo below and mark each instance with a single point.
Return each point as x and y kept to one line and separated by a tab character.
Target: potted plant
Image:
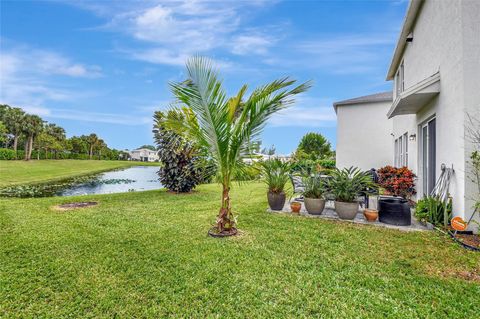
313	194
345	185
399	182
371	214
295	207
275	173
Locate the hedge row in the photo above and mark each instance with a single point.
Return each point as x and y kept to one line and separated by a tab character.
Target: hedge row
9	154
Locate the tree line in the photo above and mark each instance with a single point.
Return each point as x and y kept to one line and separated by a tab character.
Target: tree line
27	135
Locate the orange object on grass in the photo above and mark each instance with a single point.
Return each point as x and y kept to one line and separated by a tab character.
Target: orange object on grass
458	223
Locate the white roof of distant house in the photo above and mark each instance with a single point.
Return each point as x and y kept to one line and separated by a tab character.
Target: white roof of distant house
143	149
372	98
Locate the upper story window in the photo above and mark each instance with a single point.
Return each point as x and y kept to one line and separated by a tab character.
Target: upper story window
400	79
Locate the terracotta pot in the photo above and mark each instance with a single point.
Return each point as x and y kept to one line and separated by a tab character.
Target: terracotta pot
276	201
371	215
346	210
314	206
295	206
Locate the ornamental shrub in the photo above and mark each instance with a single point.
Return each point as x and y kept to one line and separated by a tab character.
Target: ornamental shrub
397	181
183	166
431	209
7	154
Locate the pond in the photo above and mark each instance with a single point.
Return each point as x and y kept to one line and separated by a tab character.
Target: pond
137	178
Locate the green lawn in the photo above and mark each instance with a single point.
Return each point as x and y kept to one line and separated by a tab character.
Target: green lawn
147	254
22	172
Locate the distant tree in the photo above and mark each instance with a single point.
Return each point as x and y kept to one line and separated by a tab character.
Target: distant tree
14	119
58	134
33	126
46	142
3	132
313	146
93	143
78	144
269	151
149	147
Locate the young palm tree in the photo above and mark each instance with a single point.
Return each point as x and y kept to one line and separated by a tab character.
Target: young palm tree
227	127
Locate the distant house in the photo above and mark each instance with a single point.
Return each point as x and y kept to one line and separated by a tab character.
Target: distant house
144	155
263	157
435	69
363	131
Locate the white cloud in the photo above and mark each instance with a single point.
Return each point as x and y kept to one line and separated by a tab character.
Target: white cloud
110	118
27	76
251	44
171	31
306	112
160	56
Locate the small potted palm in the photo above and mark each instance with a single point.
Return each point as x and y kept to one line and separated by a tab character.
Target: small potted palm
313	194
275	173
346	185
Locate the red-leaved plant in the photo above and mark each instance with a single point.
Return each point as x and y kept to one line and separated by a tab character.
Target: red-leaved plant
397	181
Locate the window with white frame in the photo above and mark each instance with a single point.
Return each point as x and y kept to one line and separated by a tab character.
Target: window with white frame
401	151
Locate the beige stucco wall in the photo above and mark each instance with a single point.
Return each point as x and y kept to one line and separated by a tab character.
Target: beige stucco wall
364	136
446	40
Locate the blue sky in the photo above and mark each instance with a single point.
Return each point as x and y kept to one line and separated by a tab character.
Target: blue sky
104	66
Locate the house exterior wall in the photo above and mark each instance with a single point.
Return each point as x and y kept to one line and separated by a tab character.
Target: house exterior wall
445	40
471	82
364	136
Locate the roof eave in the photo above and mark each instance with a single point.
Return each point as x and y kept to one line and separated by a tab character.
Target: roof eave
408	22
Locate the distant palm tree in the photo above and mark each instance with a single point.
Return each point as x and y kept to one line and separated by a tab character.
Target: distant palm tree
93	142
32	126
14	121
227	127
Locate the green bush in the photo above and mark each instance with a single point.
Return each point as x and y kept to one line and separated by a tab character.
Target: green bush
308	167
7	154
431	209
276	175
348	183
314	187
327	163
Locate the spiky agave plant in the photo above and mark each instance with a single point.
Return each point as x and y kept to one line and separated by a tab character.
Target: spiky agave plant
225	126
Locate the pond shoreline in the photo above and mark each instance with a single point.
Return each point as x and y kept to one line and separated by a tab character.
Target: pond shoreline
35	172
90	183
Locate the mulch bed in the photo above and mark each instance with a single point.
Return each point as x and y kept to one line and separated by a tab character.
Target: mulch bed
75	205
469	241
213	232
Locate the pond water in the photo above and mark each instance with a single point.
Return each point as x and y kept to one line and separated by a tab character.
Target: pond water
136	178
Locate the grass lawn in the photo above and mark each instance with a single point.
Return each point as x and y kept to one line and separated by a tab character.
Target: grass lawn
146	254
22	172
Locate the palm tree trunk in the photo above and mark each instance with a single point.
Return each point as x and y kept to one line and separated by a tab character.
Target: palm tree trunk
15	144
90	154
38	154
30	147
225	216
26	149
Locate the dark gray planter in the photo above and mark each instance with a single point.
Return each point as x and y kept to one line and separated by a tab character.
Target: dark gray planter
314	206
346	210
276	201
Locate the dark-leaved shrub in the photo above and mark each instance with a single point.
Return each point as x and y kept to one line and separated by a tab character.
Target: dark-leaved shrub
183	166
